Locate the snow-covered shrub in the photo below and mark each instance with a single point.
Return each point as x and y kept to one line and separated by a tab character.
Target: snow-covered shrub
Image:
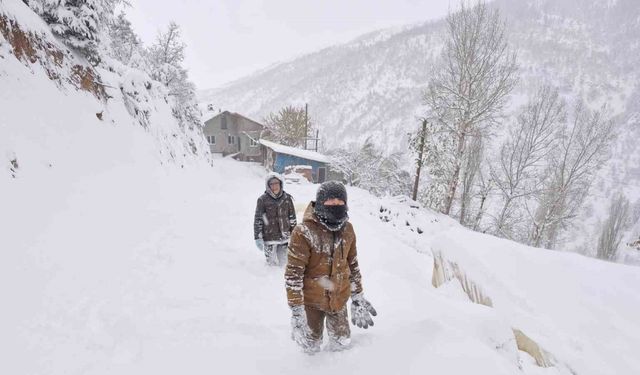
135	88
365	167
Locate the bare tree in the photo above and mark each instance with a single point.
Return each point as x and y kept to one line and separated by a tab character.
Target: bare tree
469	90
581	149
164	59
289	126
522	155
613	227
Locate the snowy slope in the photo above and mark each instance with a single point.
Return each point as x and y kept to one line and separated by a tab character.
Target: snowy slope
55	120
132	273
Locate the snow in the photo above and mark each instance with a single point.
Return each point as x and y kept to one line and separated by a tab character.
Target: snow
29	21
305	154
121	253
295	178
134	271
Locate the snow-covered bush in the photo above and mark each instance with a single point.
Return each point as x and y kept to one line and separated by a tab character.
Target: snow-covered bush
365	167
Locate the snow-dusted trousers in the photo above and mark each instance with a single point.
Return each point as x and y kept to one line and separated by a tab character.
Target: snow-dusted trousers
276	253
337	327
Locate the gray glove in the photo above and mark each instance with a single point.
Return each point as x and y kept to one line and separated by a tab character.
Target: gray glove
300	331
260	244
361	311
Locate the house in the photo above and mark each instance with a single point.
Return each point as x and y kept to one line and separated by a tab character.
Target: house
283	159
231	133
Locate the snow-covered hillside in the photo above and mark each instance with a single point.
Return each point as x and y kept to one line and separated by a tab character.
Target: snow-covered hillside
372	86
62	117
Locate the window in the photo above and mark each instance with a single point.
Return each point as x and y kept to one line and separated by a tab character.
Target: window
223	122
253	143
211	139
231	140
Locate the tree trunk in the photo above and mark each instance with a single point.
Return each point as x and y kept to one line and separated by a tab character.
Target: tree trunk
463	211
464	202
503	213
476	224
423	137
414	194
453	184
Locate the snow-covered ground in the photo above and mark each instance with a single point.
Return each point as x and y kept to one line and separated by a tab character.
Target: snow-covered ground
123	253
127	271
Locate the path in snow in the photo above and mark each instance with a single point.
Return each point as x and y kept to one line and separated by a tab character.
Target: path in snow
121	273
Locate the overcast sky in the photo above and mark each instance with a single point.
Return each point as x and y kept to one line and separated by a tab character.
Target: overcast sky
228	39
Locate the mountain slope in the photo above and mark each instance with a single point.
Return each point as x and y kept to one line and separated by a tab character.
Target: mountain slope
371	87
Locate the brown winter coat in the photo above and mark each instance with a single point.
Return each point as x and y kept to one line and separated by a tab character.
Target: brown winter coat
322	268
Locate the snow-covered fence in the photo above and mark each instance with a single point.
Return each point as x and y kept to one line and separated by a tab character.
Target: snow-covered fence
445	270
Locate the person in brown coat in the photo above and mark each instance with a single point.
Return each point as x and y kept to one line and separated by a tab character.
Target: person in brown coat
322	273
274	219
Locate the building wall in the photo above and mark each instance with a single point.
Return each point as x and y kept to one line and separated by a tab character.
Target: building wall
214	127
237	127
282	160
246	128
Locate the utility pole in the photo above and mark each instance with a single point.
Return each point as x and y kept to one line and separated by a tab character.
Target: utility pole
423	136
306	124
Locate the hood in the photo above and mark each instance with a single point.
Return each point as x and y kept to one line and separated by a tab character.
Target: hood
277	176
309	214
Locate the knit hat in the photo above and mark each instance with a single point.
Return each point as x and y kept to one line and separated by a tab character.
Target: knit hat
333	217
330	190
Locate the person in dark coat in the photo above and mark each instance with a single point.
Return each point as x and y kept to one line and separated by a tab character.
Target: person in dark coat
275	218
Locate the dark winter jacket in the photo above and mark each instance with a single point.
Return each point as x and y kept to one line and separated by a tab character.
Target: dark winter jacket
322	268
275	217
